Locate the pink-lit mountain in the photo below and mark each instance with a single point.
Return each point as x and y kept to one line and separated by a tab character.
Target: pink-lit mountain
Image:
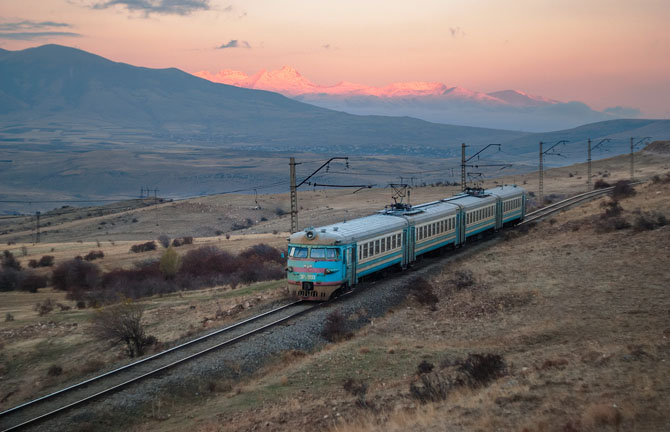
431	101
290	82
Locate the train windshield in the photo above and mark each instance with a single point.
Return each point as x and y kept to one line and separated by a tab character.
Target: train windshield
298	252
325	253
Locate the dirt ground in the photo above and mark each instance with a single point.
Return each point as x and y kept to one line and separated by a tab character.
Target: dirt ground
580	317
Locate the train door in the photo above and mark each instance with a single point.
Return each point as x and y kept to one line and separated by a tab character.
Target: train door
407	245
350	263
499	213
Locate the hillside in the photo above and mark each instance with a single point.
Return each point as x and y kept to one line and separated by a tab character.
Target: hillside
578	320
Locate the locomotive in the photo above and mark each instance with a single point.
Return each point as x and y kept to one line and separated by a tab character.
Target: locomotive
326	261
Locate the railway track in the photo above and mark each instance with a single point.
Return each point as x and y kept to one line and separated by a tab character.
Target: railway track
32	412
561	205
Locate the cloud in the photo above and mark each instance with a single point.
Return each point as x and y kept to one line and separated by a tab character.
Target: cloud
162	7
31	30
456	32
621	111
234	43
36	35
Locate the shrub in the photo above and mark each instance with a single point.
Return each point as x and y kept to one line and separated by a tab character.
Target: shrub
54	370
46	261
76	276
10	279
424	367
334	329
483	368
169	264
31	282
612	208
356	388
622	189
143	247
9	317
657	179
263	253
122	324
9	261
422	290
280	211
33	263
180	241
164	240
648	221
430	387
601	184
44	307
94	255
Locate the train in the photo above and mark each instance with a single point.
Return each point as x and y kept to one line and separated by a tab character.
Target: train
326	261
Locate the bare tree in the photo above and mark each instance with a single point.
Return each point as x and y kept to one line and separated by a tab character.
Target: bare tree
122	324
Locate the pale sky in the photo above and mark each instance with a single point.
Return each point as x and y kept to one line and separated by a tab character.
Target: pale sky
605	53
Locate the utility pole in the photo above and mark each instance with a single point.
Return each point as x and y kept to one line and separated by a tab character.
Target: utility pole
632	156
37	227
588	175
294	197
542	153
464	161
463	166
541	175
588	182
294	187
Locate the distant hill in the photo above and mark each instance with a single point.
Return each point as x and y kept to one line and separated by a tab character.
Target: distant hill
55	86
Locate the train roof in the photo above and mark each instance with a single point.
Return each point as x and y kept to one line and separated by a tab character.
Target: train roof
506	191
349	231
426	211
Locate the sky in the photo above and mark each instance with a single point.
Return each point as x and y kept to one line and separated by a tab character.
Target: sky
605	53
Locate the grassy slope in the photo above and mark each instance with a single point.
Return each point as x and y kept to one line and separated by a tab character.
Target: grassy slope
579	316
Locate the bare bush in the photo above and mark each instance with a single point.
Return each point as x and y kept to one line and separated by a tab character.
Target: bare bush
45	307
357	388
430	387
33	263
31	282
334	329
601	184
483	368
76	276
9	261
657	179
122	324
143	247
55	370
622	189
180	241
9	317
46	261
645	221
94	255
424	367
422	291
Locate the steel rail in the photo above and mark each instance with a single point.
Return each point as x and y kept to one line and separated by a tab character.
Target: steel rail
547	210
82	384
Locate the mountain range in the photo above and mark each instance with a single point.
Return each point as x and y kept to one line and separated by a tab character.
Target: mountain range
430	101
76	126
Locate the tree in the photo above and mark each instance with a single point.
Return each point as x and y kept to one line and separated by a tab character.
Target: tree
9	262
169	265
122	324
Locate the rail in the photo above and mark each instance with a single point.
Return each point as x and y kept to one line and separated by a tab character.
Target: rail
52	397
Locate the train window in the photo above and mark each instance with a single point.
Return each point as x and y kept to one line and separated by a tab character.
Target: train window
376	247
399	240
383	249
365	250
318	253
332	253
298	252
393	242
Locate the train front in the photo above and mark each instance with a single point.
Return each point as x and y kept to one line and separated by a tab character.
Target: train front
316	268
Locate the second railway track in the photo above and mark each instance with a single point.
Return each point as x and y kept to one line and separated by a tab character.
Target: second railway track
32	412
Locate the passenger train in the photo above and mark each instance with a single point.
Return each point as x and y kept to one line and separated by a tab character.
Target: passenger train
327	261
